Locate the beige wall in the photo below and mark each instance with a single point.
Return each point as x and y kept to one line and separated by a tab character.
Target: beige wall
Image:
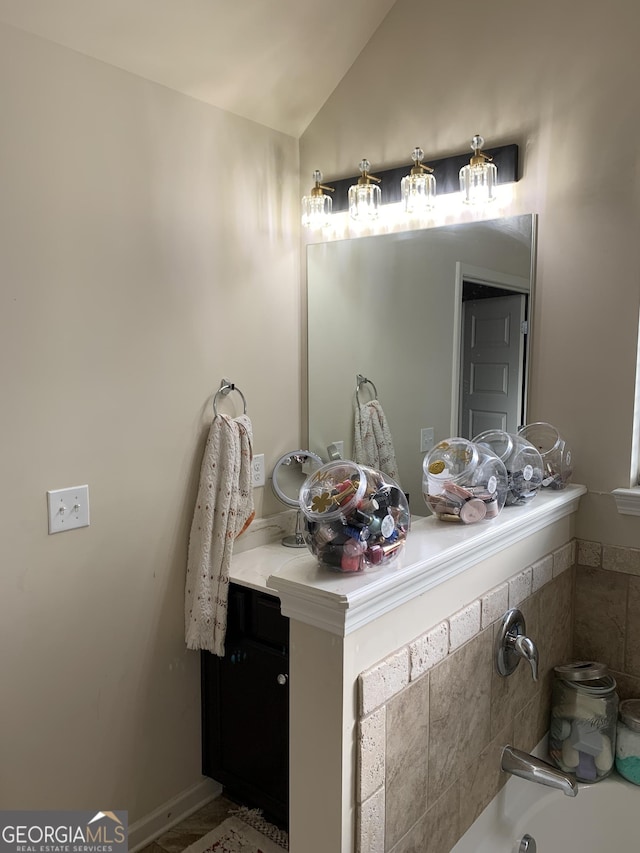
149	246
561	81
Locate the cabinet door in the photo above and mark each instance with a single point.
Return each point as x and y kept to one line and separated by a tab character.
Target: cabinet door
246	724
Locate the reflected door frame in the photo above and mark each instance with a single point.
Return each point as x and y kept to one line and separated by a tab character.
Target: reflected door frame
489	278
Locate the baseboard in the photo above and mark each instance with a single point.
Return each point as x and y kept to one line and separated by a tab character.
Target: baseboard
148	828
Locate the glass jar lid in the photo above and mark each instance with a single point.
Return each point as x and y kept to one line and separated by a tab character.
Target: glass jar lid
590	676
630	714
451	459
582	670
333	491
498	441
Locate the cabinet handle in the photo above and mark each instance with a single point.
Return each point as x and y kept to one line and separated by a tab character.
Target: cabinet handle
282	679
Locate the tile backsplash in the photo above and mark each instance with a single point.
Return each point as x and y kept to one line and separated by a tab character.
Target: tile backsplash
607	611
434	715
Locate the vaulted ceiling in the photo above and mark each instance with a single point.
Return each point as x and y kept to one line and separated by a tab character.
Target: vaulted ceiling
273	61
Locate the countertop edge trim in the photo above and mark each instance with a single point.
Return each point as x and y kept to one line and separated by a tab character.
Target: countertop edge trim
627	501
342	615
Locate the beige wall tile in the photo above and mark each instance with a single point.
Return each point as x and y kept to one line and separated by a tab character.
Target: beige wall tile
511	693
464	625
371	753
438	830
600	618
532	723
628	685
428	650
384	680
482	779
370	828
589	553
494	604
541	572
520	588
459	710
564	558
555	628
618	559
632	650
407	753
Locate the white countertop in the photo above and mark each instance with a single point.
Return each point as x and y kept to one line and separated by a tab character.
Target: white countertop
434	552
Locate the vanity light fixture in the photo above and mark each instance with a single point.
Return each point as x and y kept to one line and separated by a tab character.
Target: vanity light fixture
478	179
364	197
316	207
418	188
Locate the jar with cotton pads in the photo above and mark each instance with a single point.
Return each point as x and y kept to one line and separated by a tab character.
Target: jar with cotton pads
584	712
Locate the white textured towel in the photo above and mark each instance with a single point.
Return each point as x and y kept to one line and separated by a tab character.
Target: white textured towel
224	509
372	439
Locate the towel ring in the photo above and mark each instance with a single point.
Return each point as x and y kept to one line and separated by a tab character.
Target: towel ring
225	387
362	380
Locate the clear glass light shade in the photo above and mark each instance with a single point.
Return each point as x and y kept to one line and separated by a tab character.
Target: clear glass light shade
418	193
364	202
316	211
478	183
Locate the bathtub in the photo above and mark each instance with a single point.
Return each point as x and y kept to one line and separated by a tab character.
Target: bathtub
603	818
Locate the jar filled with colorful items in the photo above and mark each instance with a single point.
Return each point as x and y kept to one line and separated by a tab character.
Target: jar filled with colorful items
556	455
463	482
355	517
628	741
584	711
522	461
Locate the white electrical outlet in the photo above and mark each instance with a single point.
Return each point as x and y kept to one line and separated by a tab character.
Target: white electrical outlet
257	470
68	508
426	439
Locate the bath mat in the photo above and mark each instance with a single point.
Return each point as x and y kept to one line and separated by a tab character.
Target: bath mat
245	831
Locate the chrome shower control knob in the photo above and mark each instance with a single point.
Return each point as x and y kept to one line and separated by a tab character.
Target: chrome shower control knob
282	679
527	844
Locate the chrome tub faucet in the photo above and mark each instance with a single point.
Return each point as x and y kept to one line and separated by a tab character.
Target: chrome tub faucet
533	769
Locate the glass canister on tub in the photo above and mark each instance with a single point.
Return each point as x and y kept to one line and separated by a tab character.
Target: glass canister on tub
556	455
463	482
522	461
355	517
584	711
628	741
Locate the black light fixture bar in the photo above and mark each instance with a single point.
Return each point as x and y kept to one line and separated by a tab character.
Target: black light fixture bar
446	171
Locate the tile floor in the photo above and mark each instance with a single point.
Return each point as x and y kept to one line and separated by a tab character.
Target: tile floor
192	828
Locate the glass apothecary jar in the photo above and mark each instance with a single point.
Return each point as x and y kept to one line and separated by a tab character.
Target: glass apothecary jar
556	455
628	741
463	482
522	461
584	712
355	517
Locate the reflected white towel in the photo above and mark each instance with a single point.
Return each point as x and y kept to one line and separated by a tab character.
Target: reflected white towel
372	439
224	509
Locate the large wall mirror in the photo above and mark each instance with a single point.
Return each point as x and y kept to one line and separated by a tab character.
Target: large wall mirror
437	319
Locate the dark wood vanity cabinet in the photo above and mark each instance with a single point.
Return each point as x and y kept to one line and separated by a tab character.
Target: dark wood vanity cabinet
245	705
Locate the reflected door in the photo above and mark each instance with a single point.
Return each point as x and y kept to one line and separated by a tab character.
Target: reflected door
491	391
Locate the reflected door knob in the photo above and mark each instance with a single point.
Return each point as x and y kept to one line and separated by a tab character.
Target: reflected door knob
282	679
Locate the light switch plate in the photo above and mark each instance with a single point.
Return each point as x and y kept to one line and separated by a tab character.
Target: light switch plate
68	508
